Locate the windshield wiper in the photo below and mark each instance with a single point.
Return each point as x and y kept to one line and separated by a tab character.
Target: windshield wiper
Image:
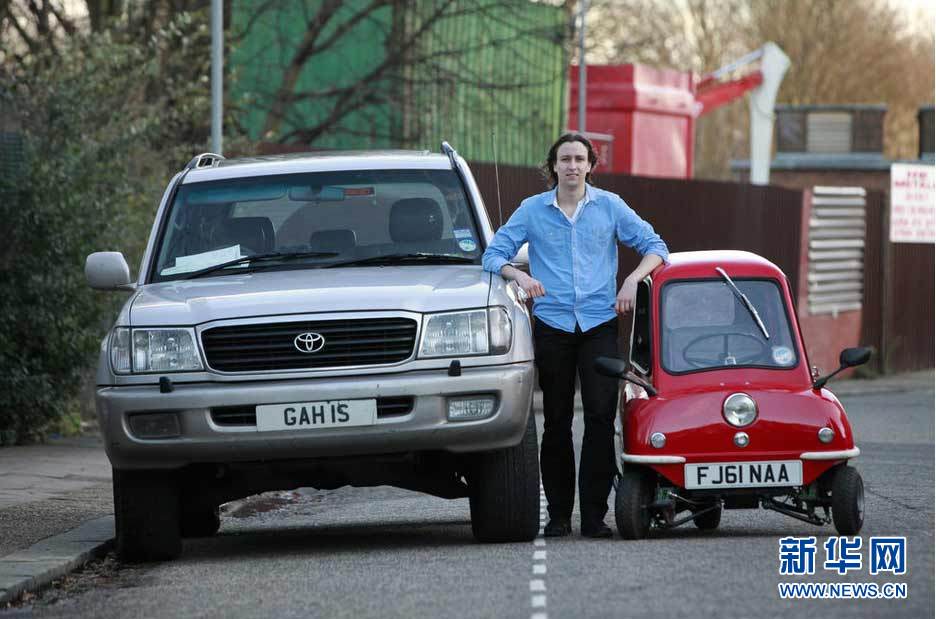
277	255
402	258
747	303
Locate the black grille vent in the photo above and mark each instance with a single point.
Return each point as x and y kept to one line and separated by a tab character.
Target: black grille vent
263	347
247	415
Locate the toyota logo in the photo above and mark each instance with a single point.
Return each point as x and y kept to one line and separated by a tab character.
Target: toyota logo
309	342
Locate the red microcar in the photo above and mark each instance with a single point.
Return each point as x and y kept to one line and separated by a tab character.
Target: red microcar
721	410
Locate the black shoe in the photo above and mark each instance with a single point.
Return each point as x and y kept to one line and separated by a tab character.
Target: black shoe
558	527
599	531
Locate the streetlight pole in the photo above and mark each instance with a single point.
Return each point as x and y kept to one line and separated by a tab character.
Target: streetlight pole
582	99
217	64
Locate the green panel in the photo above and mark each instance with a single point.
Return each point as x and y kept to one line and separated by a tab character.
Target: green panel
267	38
483	67
496	70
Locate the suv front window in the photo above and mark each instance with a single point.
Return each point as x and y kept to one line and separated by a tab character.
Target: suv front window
705	326
318	219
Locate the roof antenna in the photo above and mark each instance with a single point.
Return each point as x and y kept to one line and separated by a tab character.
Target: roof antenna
500	214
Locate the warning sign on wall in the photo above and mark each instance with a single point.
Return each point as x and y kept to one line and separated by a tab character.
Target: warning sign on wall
913	203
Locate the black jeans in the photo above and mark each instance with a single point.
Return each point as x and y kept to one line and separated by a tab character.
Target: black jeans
559	355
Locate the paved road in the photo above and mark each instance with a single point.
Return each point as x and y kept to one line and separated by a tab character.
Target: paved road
387	552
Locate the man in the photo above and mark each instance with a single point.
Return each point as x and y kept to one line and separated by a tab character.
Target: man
572	231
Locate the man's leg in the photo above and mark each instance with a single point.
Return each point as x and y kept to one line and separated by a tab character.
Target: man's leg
555	363
600	403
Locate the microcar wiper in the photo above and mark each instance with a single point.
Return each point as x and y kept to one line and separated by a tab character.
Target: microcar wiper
402	258
277	255
747	303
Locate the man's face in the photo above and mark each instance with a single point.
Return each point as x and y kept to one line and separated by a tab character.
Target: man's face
572	165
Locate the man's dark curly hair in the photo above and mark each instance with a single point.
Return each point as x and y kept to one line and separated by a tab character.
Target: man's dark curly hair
548	168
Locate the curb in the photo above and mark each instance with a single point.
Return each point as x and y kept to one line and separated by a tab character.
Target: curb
54	557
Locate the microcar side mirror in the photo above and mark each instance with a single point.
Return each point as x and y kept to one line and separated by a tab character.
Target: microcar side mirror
108	270
848	358
851	357
618	368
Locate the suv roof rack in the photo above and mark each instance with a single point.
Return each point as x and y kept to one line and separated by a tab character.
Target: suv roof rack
204	160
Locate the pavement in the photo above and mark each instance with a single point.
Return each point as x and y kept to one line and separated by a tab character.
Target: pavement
56	507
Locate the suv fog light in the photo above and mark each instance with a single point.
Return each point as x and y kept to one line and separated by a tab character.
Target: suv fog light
741	439
471	407
658	440
155	425
826	435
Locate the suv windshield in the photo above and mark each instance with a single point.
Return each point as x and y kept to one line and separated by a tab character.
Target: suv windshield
315	220
705	325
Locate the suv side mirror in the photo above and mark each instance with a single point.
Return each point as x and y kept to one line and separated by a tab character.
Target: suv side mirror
108	270
618	368
848	358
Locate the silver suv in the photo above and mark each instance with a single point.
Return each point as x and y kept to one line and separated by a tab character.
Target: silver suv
315	321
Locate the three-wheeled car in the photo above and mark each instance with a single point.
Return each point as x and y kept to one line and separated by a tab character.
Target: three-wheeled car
720	409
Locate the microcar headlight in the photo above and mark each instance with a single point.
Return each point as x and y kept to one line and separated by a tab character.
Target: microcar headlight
739	410
475	332
154	350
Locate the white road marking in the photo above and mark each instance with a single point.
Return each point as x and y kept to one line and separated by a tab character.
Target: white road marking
537	584
539	541
538	601
539	555
539	616
539	568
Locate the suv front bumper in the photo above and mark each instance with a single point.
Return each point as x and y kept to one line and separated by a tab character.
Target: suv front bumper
424	428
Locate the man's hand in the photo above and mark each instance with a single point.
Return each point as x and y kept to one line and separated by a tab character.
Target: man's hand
626	296
532	287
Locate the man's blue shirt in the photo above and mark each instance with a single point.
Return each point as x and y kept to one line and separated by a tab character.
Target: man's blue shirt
575	262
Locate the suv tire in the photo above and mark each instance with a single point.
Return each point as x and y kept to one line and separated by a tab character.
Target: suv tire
504	491
146	509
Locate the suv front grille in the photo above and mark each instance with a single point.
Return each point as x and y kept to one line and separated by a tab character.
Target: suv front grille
271	346
247	415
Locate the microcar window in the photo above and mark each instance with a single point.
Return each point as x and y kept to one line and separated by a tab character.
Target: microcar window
349	215
640	348
704	326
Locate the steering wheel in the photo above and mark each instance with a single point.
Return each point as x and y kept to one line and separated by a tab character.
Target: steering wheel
704	359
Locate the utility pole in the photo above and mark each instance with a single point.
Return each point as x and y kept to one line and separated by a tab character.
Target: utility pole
217	64
582	99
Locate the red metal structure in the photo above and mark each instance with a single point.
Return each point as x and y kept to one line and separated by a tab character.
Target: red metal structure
644	118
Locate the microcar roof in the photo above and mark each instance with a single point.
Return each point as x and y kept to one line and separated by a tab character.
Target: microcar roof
701	264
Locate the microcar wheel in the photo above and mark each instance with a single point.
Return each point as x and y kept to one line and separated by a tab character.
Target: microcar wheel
847	500
504	491
631	502
708	521
199	521
146	509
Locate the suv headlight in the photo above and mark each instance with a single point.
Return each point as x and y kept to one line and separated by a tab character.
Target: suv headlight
154	350
458	334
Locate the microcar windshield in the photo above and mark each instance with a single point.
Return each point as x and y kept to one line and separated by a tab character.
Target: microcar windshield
316	220
707	324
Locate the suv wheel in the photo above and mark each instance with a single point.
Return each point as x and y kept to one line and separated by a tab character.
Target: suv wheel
146	509
504	491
